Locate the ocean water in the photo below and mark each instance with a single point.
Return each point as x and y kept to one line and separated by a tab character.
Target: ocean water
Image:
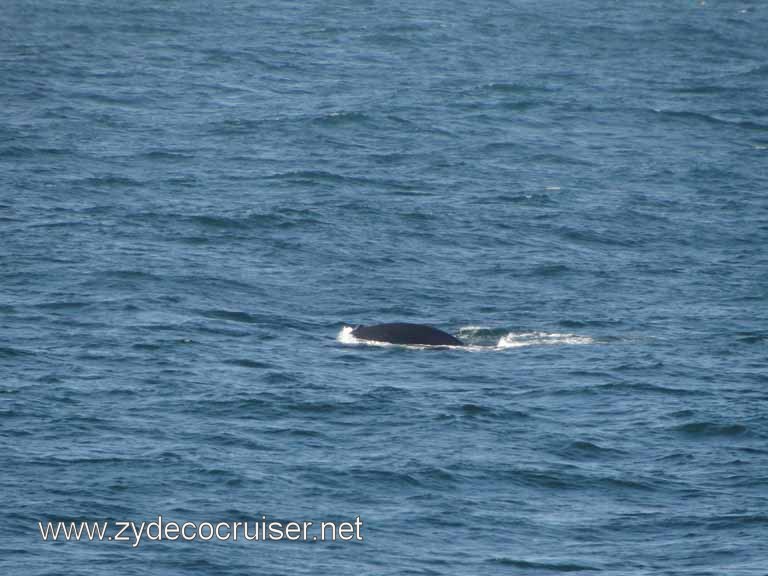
196	198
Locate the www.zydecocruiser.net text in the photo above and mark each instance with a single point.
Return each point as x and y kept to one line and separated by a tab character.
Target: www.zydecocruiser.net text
262	530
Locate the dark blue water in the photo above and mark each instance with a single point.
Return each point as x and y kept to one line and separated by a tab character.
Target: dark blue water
195	199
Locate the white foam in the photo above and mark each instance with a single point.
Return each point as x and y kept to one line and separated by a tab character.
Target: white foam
472	328
517	340
345	336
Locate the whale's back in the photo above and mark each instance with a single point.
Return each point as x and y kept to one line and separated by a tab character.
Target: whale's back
404	333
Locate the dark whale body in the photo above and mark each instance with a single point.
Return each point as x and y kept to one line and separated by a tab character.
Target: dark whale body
402	333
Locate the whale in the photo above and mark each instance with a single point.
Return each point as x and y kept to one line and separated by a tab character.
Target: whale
404	333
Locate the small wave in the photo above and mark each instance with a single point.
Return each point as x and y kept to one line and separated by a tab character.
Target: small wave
760	71
24	151
342	118
701	89
322	178
502	147
472	329
560	159
508	88
161	154
752	337
63	305
585	450
8	352
480	337
550	269
704	429
692	116
248	363
544	566
109	181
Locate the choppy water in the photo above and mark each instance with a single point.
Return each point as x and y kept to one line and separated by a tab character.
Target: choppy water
195	199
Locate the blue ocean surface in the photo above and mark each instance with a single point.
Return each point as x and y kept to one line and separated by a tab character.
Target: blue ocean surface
198	199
